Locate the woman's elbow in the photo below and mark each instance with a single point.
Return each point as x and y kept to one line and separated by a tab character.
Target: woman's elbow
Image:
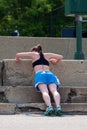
17	55
61	57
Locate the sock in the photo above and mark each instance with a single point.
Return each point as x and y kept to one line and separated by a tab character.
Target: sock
58	107
50	106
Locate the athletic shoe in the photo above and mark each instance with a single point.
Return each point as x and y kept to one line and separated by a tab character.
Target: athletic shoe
48	111
58	111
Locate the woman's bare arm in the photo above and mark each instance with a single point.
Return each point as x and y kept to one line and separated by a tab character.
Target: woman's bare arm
54	58
23	55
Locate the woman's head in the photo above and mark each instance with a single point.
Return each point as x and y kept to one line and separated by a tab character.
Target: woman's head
37	48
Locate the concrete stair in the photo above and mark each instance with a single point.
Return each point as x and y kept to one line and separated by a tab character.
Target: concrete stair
24	99
17	93
69	108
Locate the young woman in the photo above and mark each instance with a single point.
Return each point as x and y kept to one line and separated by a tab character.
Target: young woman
45	80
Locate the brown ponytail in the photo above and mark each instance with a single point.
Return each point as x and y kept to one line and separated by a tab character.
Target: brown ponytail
37	48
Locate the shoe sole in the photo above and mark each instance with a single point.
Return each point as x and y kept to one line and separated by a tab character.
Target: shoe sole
59	113
49	113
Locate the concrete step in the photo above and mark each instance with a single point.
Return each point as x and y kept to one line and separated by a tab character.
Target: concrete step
27	94
7	108
70	72
69	108
24	98
66	107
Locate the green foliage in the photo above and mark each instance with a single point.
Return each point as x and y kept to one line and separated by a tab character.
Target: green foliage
33	17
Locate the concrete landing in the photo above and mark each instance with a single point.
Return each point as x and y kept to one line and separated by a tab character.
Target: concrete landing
28	121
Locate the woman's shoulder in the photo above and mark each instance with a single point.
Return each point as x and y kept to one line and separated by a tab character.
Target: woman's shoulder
49	54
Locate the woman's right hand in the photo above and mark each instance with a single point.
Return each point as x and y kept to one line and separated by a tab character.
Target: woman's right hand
17	59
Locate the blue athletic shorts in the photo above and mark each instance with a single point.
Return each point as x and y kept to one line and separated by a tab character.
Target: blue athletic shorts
45	77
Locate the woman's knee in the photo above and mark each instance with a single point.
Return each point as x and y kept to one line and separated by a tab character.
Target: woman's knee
54	92
46	94
53	88
43	88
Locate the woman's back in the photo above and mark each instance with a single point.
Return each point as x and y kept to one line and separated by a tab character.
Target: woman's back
40	63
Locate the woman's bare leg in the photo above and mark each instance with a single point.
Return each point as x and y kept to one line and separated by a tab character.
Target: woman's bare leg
56	95
45	94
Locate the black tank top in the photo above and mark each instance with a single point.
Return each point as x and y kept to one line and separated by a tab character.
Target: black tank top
40	61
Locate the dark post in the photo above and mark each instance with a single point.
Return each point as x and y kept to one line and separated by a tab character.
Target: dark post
77	8
79	54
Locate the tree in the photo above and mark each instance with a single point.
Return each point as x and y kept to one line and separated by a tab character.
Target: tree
32	17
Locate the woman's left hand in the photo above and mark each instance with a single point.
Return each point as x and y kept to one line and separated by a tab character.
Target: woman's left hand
53	61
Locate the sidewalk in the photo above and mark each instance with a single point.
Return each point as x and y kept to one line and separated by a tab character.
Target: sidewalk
26	121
